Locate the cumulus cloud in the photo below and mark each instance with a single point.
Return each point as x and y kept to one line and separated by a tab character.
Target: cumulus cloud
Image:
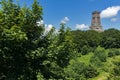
114	19
48	27
65	20
110	12
82	26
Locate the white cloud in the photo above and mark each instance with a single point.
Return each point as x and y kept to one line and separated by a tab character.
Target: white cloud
114	19
65	20
48	27
82	26
39	23
110	12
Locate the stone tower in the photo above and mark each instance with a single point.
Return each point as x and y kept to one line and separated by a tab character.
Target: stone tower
96	22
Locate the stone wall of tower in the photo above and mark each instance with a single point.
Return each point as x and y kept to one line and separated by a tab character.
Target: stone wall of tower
96	22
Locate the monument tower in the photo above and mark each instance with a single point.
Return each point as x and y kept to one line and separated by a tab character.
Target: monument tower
96	22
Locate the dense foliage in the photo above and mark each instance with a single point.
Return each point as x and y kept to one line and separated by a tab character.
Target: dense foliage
108	39
28	52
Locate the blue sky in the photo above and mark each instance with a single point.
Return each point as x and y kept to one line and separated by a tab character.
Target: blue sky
77	13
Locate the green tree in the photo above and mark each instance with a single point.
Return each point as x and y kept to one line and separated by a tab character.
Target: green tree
111	38
66	47
19	33
59	52
86	38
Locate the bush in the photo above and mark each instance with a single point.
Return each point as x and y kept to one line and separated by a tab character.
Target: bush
117	52
90	72
75	71
86	49
115	74
101	54
113	52
79	71
94	60
117	68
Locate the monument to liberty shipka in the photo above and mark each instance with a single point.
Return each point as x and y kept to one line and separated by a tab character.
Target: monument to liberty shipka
96	22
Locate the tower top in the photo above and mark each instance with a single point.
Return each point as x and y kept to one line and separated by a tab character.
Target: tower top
95	12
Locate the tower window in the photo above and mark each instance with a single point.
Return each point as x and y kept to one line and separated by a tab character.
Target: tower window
93	18
98	17
97	28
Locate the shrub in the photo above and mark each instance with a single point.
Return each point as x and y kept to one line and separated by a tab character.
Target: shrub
117	52
94	60
90	72
79	71
101	54
113	52
86	49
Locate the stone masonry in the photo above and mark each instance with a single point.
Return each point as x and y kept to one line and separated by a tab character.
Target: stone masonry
96	22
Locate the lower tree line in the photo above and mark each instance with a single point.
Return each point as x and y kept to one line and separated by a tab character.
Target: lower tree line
91	39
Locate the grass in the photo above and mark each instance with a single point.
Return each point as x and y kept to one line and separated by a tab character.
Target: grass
107	68
85	58
101	76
